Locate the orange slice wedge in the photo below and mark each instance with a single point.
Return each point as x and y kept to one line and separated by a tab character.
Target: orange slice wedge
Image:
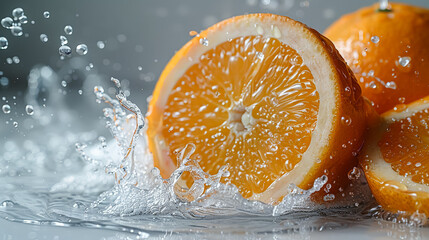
264	95
396	159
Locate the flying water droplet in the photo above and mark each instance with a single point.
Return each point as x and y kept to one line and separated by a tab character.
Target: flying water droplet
7	22
3	43
4	81
65	50
82	49
17	12
23	19
29	110
116	82
6	108
16	31
63	40
68	30
80	92
43	37
16	59
64	83
375	39
100	44
46	14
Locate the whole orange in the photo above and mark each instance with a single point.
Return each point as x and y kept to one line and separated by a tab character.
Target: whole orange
388	52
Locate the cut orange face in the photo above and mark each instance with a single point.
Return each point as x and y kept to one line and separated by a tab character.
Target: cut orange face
395	159
264	95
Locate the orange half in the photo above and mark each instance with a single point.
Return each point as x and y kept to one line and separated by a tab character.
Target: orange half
264	95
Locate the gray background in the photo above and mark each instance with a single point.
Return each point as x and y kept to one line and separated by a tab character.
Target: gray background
136	33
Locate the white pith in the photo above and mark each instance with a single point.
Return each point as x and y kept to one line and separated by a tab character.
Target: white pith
306	46
381	168
240	119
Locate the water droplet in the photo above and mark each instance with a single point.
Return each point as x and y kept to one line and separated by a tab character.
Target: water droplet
354	173
68	30
4	81
16	59
80	92
375	39
7	203
204	41
116	82
404	61
391	85
64	83
17	12
6	108
15	124
102	141
23	19
276	32
304	4
192	33
16	31
346	120
7	22
259	30
98	90
29	110
46	14
63	40
328	197
9	60
348	90
384	6
3	43
65	50
140	68
43	37
418	164
100	44
82	49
